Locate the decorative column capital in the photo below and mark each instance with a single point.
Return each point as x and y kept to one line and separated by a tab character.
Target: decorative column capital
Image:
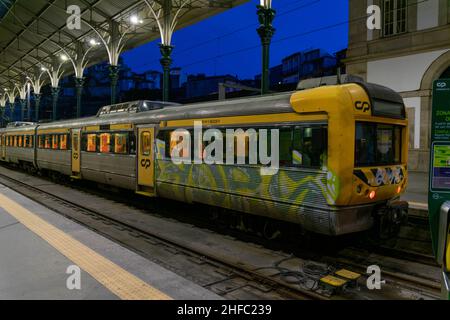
79	82
166	52
266	30
55	90
114	71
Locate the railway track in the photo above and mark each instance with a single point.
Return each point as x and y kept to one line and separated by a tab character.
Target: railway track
229	268
239	279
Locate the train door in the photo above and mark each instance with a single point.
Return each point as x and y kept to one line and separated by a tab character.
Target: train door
145	160
76	153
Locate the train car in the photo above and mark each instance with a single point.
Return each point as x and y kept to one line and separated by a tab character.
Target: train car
342	154
18	144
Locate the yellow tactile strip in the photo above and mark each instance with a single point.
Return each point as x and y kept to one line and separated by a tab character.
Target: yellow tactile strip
119	281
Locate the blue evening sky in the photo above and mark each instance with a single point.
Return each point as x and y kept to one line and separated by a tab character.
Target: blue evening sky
228	43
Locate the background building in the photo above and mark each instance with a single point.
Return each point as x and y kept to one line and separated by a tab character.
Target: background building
410	51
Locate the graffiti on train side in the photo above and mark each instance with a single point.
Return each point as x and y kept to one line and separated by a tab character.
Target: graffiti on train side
290	187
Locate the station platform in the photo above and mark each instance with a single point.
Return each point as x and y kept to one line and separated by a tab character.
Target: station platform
42	253
417	193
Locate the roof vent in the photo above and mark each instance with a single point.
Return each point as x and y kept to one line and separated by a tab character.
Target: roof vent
327	81
19	124
134	107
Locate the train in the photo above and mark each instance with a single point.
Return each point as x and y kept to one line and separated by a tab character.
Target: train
342	154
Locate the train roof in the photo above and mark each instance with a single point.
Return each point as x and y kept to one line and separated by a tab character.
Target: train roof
275	103
138	112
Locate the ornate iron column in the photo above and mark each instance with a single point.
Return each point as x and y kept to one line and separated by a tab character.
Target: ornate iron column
37	102
114	75
166	62
2	115
266	31
79	83
55	94
12	106
23	103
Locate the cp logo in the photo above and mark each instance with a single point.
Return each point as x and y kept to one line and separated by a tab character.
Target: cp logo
441	85
362	106
145	163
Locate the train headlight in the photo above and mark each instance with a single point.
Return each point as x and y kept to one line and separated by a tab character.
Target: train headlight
372	195
399	189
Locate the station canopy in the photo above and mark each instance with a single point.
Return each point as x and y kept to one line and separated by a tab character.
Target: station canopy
34	32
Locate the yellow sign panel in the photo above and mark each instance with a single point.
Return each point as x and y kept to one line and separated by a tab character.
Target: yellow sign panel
76	152
145	160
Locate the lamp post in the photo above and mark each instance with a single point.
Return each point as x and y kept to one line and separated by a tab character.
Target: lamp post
79	83
166	61
55	73
266	31
36	80
78	57
114	76
2	108
166	16
37	102
11	93
21	89
55	96
114	39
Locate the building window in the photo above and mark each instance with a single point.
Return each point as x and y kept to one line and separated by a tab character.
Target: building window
394	16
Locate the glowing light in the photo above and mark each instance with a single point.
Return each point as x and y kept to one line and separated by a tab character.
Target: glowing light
372	195
135	20
399	189
43	68
266	3
93	42
64	57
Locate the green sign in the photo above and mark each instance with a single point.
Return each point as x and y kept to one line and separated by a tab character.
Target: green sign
439	190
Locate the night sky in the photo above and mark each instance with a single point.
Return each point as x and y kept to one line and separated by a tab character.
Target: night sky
228	43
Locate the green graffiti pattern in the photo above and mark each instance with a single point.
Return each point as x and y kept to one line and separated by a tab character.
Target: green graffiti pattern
240	187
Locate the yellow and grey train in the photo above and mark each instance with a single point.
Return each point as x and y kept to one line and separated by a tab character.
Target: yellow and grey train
342	154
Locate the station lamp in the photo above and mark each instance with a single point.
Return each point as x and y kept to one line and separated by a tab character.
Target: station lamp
266	31
134	19
93	42
266	3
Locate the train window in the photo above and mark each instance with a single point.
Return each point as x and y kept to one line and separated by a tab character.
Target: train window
91	143
132	143
31	142
48	142
120	143
55	142
75	142
285	146
146	143
63	142
40	142
25	141
310	146
377	144
174	141
15	141
105	142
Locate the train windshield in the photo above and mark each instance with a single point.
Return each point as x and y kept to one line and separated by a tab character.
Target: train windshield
377	144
